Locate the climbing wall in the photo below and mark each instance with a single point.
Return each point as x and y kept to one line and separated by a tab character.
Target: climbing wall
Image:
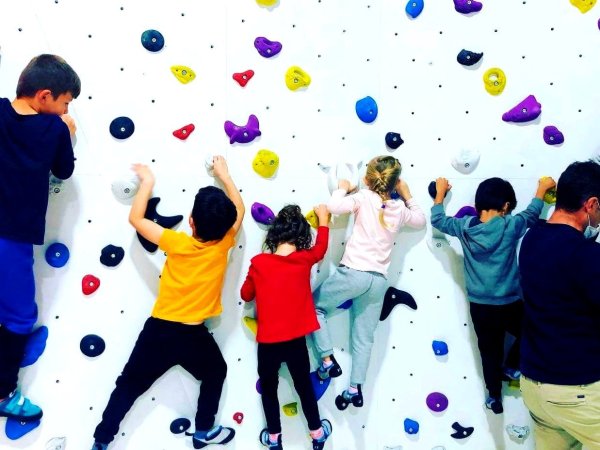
349	50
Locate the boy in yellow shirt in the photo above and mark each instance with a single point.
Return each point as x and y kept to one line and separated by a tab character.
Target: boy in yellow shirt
189	293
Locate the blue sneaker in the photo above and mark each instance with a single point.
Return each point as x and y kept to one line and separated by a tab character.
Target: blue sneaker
99	446
264	440
216	435
15	406
495	404
512	374
318	444
333	371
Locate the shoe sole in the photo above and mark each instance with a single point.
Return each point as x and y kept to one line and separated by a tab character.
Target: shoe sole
22	418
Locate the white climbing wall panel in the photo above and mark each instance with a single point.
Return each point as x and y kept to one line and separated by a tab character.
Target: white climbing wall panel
351	49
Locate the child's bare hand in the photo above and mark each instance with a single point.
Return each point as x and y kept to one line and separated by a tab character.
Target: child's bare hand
70	122
403	190
442	185
546	183
346	185
144	173
220	168
322	214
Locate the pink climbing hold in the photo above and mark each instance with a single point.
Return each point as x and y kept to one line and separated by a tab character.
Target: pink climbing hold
527	110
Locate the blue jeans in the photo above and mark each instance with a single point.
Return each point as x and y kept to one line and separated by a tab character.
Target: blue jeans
367	290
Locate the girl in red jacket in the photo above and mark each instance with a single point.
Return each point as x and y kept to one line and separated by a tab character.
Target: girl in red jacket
279	281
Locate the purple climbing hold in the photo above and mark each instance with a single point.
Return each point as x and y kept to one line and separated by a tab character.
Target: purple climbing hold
465	211
529	109
553	136
243	133
266	47
467	6
262	213
414	8
258	387
437	402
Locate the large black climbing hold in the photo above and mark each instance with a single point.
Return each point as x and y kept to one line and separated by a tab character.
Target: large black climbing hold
180	425
121	127
163	221
395	297
468	58
461	432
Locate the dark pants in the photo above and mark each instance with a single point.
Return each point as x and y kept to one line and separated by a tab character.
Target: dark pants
12	349
160	346
295	354
491	323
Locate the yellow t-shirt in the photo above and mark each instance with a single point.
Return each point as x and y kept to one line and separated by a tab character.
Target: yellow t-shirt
192	278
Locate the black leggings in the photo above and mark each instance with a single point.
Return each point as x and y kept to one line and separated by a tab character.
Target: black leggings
12	350
295	354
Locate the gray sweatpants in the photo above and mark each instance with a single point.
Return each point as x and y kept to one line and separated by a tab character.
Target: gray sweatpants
367	290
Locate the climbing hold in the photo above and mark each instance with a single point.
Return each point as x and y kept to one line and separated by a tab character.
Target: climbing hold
366	109
57	254
243	133
243	77
92	345
319	385
465	211
312	219
15	429
258	386
346	304
437	402
291	409
553	136
89	284
238	417
395	297
468	58
526	110
440	348
180	425
267	3
433	190
121	127
55	185
265	163
467	6
341	171
111	255
163	221
35	346
411	426
393	140
262	213
57	443
153	40
494	80
461	432
266	47
125	187
583	5
466	160
184	132
183	73
250	322
438	243
296	78
550	195
520	433
414	8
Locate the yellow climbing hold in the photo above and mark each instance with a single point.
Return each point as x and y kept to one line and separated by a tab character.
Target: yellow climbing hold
267	2
296	78
494	80
265	163
291	409
312	219
183	73
550	195
250	322
583	5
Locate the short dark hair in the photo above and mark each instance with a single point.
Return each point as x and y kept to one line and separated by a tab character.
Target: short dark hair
48	72
579	181
493	194
289	226
213	213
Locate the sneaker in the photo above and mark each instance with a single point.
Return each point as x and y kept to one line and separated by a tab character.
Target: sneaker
345	398
216	435
495	404
264	440
99	446
15	406
512	374
318	444
333	371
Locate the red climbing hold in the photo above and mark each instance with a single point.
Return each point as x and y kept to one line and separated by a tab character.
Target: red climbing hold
89	284
238	417
184	132
243	77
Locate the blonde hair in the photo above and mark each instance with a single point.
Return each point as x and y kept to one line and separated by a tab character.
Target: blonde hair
382	175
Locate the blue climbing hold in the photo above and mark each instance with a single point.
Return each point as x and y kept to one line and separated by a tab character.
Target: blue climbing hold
411	426
414	8
15	429
366	109
153	40
57	254
319	386
35	346
439	348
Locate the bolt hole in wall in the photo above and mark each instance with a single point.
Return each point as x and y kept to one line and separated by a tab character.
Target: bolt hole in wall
317	84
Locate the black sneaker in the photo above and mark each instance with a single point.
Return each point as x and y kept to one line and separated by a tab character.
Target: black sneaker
333	371
345	398
216	435
495	404
318	444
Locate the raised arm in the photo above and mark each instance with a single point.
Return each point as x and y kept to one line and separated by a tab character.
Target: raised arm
221	171
147	228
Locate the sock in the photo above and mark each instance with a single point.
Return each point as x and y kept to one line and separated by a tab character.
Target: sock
327	364
317	434
273	438
353	390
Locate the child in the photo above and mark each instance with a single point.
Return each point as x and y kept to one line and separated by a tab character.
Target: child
489	244
280	282
34	141
361	275
189	293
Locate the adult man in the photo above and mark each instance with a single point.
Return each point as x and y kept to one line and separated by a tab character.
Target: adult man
560	354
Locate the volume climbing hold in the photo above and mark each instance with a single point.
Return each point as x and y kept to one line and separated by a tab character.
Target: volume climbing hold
467	6
184	132
183	73
296	78
527	110
461	432
89	284
57	254
163	221
468	58
583	5
243	77
267	48
153	40
265	163
291	409
395	297
411	426
243	133
437	402
262	213
414	8
494	80
121	127
553	136
366	109
393	140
